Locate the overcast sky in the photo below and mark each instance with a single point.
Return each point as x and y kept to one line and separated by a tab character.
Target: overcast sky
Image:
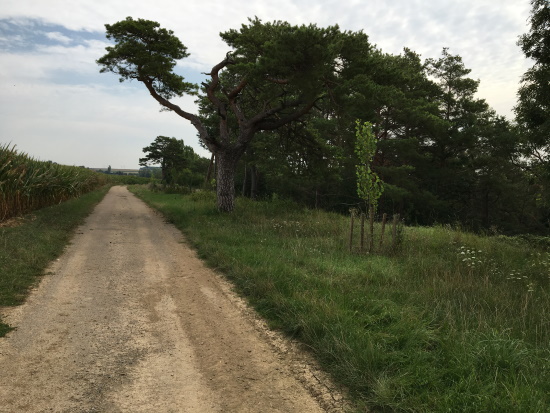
55	105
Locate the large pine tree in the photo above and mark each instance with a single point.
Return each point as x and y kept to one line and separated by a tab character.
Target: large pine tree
533	108
274	75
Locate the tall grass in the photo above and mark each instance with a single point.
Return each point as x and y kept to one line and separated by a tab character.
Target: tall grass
451	322
27	184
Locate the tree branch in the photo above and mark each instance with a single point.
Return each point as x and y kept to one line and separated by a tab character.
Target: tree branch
267	124
235	92
278	81
210	143
211	87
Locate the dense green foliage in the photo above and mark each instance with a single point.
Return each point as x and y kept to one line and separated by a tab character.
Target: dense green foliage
369	185
27	184
451	322
116	179
179	163
146	52
278	112
275	74
444	156
30	244
533	109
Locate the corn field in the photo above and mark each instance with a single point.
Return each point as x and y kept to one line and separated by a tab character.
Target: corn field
27	184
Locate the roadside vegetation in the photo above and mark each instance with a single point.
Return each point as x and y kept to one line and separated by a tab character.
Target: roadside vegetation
277	114
29	243
448	322
27	184
41	203
444	320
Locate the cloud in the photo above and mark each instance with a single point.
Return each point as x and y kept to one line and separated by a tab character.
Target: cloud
89	125
55	104
58	37
50	63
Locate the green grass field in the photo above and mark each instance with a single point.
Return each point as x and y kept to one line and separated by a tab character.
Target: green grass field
450	322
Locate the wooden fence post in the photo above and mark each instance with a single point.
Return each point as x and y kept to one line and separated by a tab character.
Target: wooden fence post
362	231
371	228
352	213
382	229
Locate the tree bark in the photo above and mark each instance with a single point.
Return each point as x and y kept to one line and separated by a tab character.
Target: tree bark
225	184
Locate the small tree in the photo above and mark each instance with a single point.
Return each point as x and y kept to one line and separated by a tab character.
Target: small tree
533	108
369	185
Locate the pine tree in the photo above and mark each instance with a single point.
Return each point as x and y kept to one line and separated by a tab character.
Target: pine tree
533	108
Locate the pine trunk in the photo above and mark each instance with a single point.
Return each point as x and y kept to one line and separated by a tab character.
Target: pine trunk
225	185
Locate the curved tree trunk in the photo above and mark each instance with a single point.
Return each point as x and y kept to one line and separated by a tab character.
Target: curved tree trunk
225	184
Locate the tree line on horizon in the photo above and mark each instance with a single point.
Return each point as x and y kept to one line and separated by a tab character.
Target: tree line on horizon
279	112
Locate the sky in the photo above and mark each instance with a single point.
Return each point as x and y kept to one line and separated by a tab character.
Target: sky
56	106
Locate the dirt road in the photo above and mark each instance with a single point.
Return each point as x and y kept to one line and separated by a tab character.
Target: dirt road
128	319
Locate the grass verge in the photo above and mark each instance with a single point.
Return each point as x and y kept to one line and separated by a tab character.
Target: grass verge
31	242
452	322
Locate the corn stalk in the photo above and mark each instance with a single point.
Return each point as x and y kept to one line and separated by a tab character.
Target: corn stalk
27	184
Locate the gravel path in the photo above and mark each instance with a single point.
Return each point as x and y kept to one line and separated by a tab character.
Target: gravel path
128	319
